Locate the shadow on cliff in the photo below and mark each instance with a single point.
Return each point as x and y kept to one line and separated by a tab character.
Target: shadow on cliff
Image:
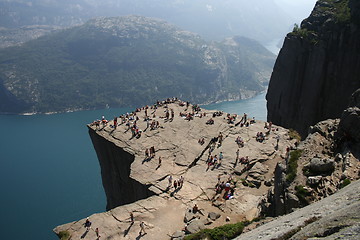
148	159
128	229
84	234
140	235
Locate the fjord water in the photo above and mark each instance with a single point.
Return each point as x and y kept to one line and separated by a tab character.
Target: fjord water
49	172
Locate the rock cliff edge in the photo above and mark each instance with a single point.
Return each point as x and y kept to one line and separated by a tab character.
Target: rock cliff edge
318	67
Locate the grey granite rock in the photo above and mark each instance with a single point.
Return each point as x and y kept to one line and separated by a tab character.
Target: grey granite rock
318	165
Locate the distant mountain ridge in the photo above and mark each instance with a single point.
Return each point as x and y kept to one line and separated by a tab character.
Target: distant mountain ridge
127	61
262	20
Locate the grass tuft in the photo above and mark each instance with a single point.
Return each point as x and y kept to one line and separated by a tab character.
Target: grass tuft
225	232
291	170
64	235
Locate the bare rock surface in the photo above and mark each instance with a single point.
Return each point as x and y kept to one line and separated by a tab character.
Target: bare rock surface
334	217
142	184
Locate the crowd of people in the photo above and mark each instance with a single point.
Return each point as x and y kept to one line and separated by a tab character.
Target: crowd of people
224	189
177	184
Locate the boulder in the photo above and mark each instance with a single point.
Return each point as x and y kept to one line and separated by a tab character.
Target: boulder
258	170
314	180
254	182
350	123
338	157
213	216
269	182
324	128
292	202
178	235
195	226
318	165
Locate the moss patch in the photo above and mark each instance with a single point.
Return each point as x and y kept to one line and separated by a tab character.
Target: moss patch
291	170
64	235
302	194
293	134
345	183
225	232
340	10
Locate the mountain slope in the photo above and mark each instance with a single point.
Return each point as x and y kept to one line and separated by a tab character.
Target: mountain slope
127	61
262	20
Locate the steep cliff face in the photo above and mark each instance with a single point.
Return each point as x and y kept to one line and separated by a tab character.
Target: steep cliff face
318	67
115	172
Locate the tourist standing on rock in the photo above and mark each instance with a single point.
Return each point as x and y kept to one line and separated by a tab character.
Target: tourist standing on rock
215	160
221	157
170	181
159	165
97	233
152	151
181	181
142	228
115	122
87	224
220	137
175	184
277	141
147	153
147	123
131	217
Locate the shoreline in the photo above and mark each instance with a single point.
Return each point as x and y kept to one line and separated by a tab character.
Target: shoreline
93	109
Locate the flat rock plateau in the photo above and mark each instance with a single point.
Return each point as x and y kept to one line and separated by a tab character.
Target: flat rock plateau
139	185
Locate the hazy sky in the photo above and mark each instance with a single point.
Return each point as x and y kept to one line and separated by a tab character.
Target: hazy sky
298	9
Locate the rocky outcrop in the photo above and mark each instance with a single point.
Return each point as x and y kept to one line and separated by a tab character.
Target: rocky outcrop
335	217
318	67
350	120
257	182
324	166
221	191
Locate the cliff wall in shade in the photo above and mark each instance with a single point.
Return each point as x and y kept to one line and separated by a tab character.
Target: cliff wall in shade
115	164
318	67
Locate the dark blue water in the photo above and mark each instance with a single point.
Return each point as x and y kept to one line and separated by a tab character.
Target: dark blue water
49	172
253	107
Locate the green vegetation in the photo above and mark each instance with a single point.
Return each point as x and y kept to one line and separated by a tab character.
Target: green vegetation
225	232
247	183
306	171
302	194
125	61
64	235
340	9
293	134
258	219
345	182
301	32
292	165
